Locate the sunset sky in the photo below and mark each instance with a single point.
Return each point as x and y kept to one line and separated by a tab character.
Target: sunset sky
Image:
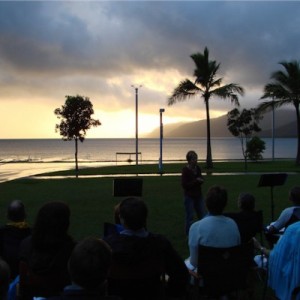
99	49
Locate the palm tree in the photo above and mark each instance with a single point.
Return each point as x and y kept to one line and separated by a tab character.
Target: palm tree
284	90
207	85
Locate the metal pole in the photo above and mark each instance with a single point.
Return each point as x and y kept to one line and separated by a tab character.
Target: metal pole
136	125
273	130
136	128
161	139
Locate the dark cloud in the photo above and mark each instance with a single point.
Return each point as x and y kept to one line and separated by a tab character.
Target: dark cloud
150	33
57	40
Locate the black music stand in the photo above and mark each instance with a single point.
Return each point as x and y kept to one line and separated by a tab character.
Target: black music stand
272	180
123	187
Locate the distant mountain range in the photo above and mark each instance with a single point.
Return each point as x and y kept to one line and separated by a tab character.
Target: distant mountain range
285	126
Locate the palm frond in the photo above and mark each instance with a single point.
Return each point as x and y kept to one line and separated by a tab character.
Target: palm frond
289	78
280	77
216	82
268	106
272	90
279	92
184	91
205	70
205	82
229	91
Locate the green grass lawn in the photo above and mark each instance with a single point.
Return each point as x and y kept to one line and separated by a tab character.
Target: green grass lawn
219	167
91	199
92	202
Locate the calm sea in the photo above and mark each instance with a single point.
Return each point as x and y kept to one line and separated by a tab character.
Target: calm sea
104	150
26	157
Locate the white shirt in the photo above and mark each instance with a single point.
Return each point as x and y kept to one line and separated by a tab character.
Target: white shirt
213	231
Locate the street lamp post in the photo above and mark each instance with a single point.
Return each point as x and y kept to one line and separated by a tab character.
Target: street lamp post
136	124
161	139
273	129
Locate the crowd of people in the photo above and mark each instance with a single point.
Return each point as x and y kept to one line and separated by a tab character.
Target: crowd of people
132	262
126	265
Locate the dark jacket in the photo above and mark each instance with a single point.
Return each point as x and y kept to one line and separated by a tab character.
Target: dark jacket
248	222
191	186
10	239
138	265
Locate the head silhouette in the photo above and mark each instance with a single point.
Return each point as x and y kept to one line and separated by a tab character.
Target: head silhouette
216	200
246	201
133	213
51	225
16	211
89	263
191	155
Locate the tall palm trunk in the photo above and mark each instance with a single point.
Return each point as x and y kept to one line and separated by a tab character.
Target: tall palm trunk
209	163
76	157
298	134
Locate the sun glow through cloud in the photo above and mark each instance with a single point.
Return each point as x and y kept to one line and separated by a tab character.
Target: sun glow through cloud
99	49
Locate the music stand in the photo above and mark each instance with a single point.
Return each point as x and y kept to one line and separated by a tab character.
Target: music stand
123	187
272	180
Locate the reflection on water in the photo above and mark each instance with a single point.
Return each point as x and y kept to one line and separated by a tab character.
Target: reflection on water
23	158
10	171
105	150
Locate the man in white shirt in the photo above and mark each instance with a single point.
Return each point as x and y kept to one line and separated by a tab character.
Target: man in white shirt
214	230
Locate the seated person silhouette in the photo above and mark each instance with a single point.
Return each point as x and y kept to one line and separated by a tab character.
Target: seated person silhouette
44	255
247	219
249	222
88	268
214	230
12	234
4	279
287	217
140	258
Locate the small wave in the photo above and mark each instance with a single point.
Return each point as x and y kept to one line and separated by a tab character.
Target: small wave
20	160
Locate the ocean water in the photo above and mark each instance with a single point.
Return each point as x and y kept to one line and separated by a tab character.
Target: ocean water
27	157
104	150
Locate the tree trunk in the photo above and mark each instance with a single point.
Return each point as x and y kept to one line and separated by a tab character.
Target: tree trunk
246	163
76	157
244	152
209	162
298	135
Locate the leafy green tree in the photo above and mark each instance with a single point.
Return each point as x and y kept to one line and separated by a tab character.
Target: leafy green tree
284	90
76	119
242	125
254	148
207	86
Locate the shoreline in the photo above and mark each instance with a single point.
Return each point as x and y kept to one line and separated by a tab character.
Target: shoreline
118	162
15	170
